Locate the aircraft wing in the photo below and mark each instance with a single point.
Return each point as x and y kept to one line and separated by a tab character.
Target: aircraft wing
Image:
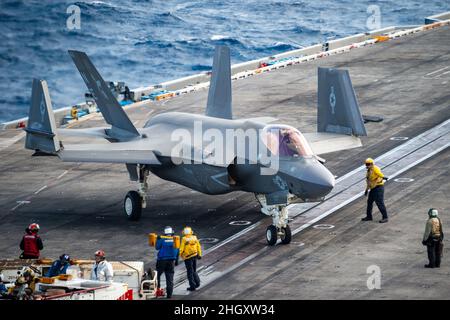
324	142
121	152
97	132
85	132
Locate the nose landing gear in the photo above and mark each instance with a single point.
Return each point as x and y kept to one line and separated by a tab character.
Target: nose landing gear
279	227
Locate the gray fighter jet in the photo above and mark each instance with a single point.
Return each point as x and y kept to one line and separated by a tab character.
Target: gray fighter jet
211	153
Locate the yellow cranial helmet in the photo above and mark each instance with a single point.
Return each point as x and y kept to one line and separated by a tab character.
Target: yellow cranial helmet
187	231
368	161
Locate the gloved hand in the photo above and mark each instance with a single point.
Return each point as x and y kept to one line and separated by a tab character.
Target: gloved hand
199	257
158	237
366	192
424	242
176	262
385	178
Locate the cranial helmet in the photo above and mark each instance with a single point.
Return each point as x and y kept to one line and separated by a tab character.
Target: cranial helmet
29	273
64	257
34	227
187	231
368	161
432	213
21	280
168	230
100	253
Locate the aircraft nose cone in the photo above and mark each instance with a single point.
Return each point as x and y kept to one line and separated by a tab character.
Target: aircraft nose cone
317	181
323	183
308	178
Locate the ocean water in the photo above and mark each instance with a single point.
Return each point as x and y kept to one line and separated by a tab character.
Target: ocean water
148	42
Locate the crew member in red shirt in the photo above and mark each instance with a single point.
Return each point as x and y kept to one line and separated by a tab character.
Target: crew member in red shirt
31	243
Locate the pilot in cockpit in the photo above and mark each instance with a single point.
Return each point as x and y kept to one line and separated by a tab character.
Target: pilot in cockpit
286	141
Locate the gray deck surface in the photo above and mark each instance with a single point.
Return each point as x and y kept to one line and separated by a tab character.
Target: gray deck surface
80	211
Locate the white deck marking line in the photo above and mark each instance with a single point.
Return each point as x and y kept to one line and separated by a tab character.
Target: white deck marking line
19	203
439	75
44	187
429	74
62	175
233	237
443	138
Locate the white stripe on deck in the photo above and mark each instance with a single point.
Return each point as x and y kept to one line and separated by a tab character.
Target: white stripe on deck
44	187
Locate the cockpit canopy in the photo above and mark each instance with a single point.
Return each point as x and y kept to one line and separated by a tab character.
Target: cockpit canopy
285	141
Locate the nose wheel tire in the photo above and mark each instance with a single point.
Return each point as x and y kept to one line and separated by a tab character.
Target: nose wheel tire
286	236
132	205
271	235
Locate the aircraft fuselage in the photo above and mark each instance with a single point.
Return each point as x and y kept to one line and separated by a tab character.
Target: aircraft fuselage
303	176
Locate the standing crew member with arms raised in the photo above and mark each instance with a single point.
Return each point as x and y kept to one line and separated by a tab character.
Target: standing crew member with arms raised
375	189
190	251
31	243
167	259
432	238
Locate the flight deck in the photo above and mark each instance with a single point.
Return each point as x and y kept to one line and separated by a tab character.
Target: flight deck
405	81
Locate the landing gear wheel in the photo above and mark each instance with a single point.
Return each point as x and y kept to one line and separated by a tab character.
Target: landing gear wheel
271	235
132	205
287	235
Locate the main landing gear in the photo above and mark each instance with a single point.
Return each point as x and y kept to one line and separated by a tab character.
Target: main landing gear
135	201
279	227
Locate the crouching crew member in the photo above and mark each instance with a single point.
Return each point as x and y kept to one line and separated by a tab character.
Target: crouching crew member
375	189
167	259
59	266
24	286
432	238
190	251
31	243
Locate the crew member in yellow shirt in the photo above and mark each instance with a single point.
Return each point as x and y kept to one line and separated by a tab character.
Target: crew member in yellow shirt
190	251
375	189
74	112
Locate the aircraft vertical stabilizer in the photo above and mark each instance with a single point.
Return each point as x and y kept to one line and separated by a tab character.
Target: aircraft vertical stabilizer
219	95
338	109
41	129
122	128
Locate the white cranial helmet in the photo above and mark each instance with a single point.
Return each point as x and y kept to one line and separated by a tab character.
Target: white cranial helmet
168	230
